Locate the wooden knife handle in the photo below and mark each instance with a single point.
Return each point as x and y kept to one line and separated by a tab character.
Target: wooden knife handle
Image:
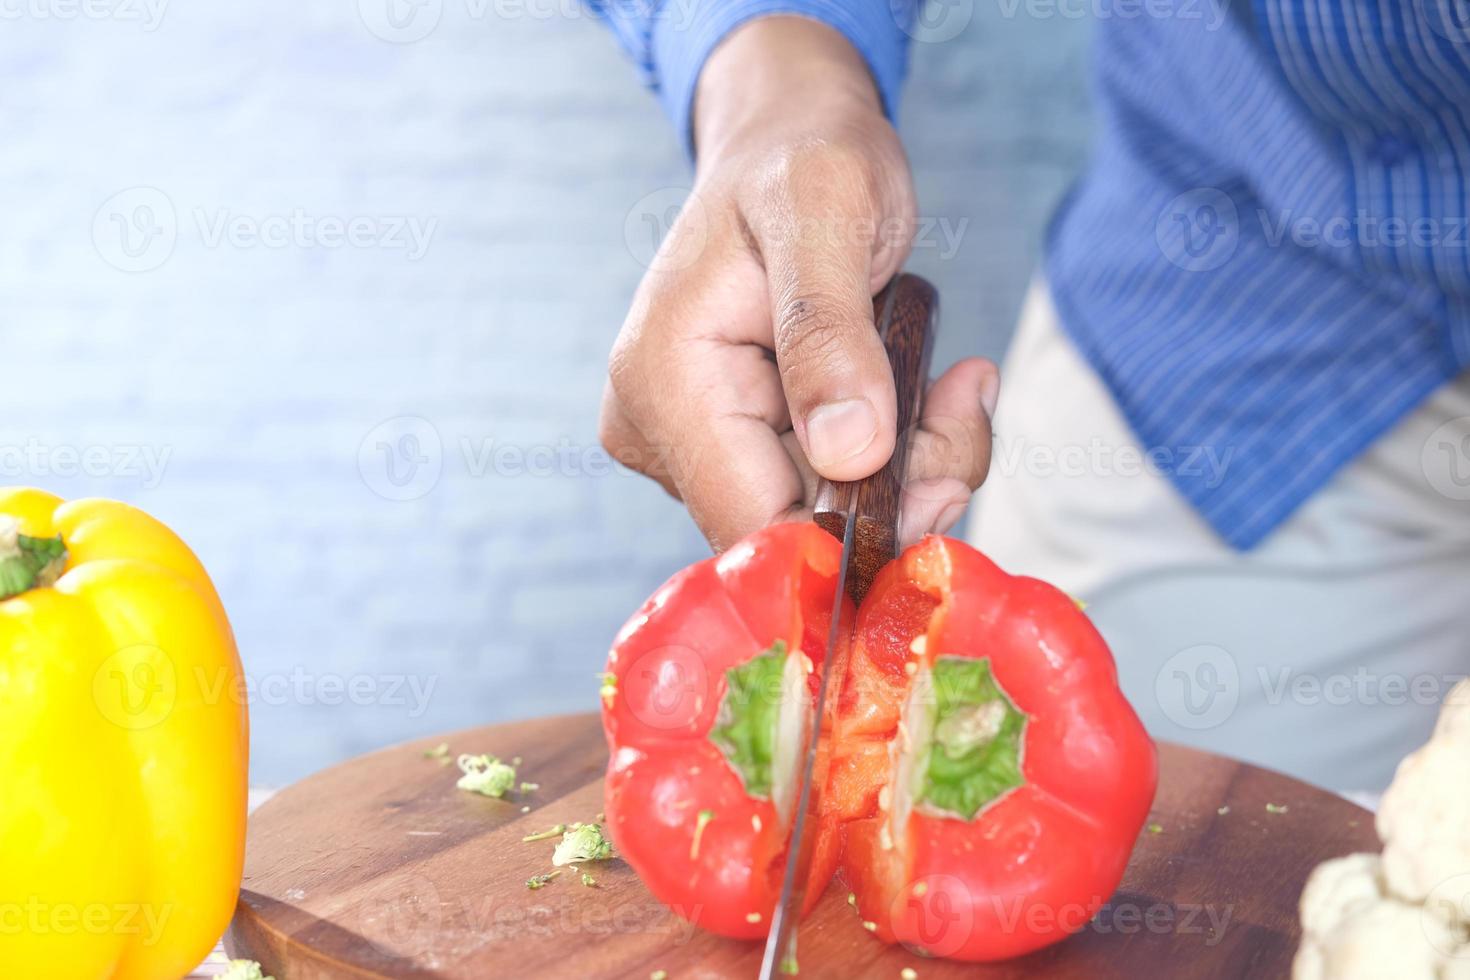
906	313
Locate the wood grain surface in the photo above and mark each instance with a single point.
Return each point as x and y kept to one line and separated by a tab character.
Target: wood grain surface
381	867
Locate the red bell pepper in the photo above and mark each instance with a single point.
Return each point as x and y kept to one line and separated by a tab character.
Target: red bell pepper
989	775
707	690
988	778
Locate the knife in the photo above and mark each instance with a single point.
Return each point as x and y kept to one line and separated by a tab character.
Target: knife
863	515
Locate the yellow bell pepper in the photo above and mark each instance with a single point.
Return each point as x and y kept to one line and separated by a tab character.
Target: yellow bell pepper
123	745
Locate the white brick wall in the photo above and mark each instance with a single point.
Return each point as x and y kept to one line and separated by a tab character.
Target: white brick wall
254	373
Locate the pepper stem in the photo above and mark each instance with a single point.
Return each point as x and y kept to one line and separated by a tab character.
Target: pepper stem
28	563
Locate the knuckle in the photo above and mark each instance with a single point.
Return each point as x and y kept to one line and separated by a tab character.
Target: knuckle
619	441
611	433
810	336
629	408
823	170
834	164
624	368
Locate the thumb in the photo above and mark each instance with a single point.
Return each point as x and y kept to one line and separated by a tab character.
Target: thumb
834	371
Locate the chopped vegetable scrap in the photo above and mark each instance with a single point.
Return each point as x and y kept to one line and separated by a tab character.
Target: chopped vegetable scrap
556	831
582	842
243	970
701	822
486	775
540	881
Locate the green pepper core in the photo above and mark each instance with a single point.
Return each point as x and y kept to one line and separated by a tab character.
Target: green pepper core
745	728
975	753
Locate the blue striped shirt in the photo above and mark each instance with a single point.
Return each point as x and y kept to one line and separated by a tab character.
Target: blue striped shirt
1267	258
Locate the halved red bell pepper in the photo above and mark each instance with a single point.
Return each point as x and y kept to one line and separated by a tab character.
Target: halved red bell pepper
987	780
990	777
707	690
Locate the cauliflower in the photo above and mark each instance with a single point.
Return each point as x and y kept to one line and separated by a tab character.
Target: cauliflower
1424	820
243	970
1338	890
1352	930
1405	913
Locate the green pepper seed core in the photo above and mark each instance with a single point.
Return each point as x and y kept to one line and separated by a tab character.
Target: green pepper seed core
745	730
974	753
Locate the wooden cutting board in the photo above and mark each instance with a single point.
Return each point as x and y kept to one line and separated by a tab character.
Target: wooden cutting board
381	867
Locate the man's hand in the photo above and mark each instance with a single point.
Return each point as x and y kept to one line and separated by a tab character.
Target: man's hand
748	363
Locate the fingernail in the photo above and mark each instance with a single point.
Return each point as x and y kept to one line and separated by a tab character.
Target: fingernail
990	393
840	430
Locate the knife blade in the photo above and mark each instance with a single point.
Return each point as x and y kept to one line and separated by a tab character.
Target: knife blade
863	515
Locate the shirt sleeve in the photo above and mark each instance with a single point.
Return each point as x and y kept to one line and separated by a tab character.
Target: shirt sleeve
670	39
